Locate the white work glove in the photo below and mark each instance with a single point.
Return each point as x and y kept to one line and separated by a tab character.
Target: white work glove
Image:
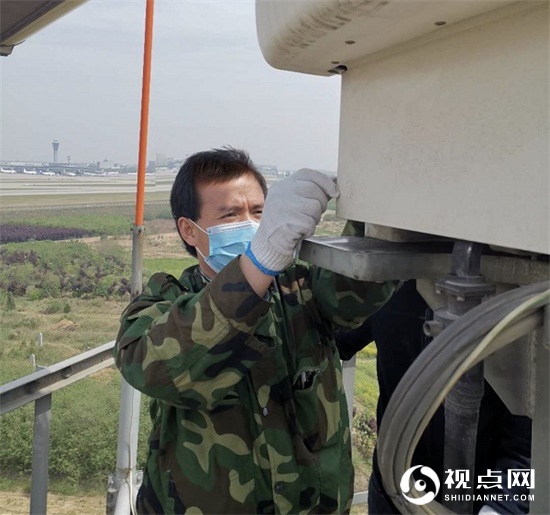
291	213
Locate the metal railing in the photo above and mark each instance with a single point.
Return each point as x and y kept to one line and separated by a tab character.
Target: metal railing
39	387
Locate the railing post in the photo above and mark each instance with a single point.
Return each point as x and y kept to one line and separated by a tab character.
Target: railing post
125	483
40	455
348	378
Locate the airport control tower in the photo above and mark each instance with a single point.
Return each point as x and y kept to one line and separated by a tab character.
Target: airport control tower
55	145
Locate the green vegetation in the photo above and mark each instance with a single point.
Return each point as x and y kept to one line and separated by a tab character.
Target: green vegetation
68	326
366	396
83	435
49	269
104	220
84	415
83	199
174	266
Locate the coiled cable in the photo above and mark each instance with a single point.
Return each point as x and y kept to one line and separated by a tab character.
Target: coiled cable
474	336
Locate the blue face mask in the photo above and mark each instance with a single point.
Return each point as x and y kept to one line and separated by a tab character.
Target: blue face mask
227	241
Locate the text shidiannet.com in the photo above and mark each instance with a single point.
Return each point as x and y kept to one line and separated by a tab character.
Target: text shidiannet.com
489	497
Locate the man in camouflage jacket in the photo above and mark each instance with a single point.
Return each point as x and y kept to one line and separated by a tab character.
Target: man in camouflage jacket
248	406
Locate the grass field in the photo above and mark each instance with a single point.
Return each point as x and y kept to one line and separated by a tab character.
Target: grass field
71	325
102	220
174	266
83	199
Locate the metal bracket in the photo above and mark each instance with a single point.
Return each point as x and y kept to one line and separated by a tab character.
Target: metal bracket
368	259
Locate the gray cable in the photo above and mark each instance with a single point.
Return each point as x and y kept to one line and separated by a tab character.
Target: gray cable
411	405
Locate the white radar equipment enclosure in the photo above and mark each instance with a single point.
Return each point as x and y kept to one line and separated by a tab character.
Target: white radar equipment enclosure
444	159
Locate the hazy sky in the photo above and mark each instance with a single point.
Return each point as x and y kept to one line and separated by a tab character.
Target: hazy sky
79	81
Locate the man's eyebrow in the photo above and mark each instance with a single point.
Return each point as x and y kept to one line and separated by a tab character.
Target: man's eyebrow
229	208
238	207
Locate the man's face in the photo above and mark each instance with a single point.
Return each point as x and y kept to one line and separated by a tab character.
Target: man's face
237	200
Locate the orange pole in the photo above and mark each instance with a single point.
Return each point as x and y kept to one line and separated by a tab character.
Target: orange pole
144	123
128	423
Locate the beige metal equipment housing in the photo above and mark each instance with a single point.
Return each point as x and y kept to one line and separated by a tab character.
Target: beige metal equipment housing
444	125
444	138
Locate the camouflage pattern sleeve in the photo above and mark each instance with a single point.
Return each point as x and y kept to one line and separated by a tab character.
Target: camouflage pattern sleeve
347	303
190	348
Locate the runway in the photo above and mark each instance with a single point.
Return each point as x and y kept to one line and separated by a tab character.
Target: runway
33	185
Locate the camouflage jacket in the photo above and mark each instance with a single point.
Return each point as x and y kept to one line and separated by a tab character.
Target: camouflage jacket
248	407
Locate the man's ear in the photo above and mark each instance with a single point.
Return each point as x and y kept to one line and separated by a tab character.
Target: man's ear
188	231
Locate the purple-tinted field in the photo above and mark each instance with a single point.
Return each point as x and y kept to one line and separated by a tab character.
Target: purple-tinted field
15	233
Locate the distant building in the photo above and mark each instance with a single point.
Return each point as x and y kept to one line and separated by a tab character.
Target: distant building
55	145
267	169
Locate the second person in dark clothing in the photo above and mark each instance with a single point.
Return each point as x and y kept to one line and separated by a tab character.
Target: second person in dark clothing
504	440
